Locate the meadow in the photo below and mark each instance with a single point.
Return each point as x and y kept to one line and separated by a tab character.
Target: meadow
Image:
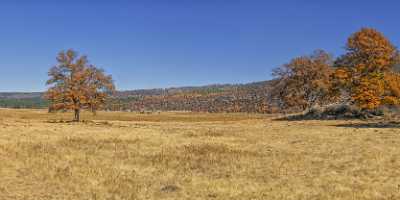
182	155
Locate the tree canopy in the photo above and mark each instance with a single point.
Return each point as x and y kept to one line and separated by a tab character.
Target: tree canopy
304	81
75	84
366	71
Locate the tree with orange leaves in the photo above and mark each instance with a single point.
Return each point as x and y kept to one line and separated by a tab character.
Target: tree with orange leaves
365	73
304	81
100	86
392	92
76	85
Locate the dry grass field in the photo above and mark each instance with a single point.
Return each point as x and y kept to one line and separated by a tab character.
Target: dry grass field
194	156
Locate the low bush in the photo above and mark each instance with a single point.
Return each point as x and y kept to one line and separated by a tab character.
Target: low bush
336	111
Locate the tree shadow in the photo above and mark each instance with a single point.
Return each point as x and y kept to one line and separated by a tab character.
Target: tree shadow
60	121
302	117
391	124
82	122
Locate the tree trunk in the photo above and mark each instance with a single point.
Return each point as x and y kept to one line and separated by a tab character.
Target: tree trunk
94	110
77	115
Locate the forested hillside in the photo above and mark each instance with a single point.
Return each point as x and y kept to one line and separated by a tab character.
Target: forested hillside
251	97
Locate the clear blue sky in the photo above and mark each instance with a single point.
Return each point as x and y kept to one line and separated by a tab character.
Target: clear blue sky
152	44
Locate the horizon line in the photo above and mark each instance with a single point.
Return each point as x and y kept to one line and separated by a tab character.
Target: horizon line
157	88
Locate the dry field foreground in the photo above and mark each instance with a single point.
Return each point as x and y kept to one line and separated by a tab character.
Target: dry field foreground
194	156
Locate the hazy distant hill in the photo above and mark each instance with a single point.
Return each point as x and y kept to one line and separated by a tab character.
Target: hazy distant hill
250	97
20	95
208	89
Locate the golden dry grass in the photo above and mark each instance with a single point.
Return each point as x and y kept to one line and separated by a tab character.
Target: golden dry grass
194	156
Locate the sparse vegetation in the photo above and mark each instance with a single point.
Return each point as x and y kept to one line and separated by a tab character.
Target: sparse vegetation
323	125
118	155
225	155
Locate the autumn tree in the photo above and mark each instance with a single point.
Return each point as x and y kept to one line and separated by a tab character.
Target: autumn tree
75	84
304	81
366	72
100	86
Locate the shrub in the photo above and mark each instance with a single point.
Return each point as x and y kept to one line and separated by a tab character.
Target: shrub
336	111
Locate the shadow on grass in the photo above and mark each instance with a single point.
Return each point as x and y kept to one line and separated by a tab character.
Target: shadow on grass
88	123
391	124
302	117
334	112
60	121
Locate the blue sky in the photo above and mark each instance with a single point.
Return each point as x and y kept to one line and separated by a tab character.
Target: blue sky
153	44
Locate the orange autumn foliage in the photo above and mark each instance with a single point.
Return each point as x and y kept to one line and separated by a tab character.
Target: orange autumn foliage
392	82
364	71
75	84
304	81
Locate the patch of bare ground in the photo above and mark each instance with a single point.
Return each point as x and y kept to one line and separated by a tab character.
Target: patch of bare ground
195	156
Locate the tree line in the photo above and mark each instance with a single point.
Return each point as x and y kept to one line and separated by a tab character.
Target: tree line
367	75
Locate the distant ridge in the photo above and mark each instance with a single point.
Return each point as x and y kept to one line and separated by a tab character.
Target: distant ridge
154	91
20	95
248	97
